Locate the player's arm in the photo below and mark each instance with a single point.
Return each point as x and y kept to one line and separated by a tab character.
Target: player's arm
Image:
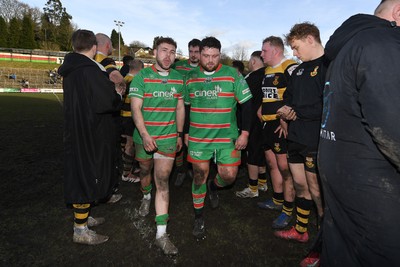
243	138
149	143
287	112
180	120
118	80
378	98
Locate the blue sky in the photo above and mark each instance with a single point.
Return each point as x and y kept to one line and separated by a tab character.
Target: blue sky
233	22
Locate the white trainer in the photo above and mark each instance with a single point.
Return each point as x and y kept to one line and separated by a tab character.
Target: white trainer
246	193
95	221
88	237
144	207
263	187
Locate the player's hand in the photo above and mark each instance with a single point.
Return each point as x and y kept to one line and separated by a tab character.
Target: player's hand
179	144
121	88
282	129
287	113
149	143
241	142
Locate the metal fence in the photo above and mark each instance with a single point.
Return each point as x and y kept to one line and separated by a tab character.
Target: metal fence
29	78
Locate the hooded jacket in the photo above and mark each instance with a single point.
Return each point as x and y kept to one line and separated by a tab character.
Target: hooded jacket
359	149
89	132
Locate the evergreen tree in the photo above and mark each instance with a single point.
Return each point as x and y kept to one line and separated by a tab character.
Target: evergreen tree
3	33
14	33
114	38
65	32
27	39
122	39
55	15
47	31
55	12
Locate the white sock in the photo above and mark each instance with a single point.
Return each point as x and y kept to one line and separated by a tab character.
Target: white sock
161	230
147	196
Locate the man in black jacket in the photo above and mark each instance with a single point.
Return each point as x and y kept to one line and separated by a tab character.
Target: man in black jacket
90	98
256	165
359	152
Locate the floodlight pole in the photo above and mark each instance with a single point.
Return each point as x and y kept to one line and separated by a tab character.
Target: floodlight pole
119	24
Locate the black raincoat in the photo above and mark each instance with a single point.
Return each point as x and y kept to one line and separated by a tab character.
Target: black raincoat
359	150
89	131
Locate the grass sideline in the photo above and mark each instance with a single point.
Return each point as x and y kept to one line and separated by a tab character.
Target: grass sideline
33	106
28	65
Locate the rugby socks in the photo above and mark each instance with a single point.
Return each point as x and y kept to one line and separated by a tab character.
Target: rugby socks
278	198
146	191
262	178
303	208
123	143
287	207
127	161
81	215
179	160
253	185
198	194
218	182
161	222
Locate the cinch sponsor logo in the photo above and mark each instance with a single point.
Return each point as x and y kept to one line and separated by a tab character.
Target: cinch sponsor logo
163	94
209	93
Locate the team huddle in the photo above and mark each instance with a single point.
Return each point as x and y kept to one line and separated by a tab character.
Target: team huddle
199	117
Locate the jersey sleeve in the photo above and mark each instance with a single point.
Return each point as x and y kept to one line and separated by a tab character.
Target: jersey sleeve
242	90
288	94
109	64
136	88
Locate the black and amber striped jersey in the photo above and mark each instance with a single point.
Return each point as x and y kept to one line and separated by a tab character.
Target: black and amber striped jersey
107	62
273	86
126	107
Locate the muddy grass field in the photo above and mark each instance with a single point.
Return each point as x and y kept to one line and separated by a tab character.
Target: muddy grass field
36	227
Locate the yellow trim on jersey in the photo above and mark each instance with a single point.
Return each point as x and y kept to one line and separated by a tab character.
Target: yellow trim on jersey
100	57
126	113
270	117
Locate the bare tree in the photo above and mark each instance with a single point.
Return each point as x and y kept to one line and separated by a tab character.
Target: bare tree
225	59
36	14
12	9
239	53
138	44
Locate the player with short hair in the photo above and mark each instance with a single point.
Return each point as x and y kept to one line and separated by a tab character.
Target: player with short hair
158	112
184	66
213	91
276	78
303	110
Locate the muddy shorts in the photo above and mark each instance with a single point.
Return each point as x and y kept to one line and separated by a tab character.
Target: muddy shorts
164	151
222	157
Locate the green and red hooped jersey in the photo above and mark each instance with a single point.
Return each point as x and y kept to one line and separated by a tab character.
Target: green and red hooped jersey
213	99
183	66
160	96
